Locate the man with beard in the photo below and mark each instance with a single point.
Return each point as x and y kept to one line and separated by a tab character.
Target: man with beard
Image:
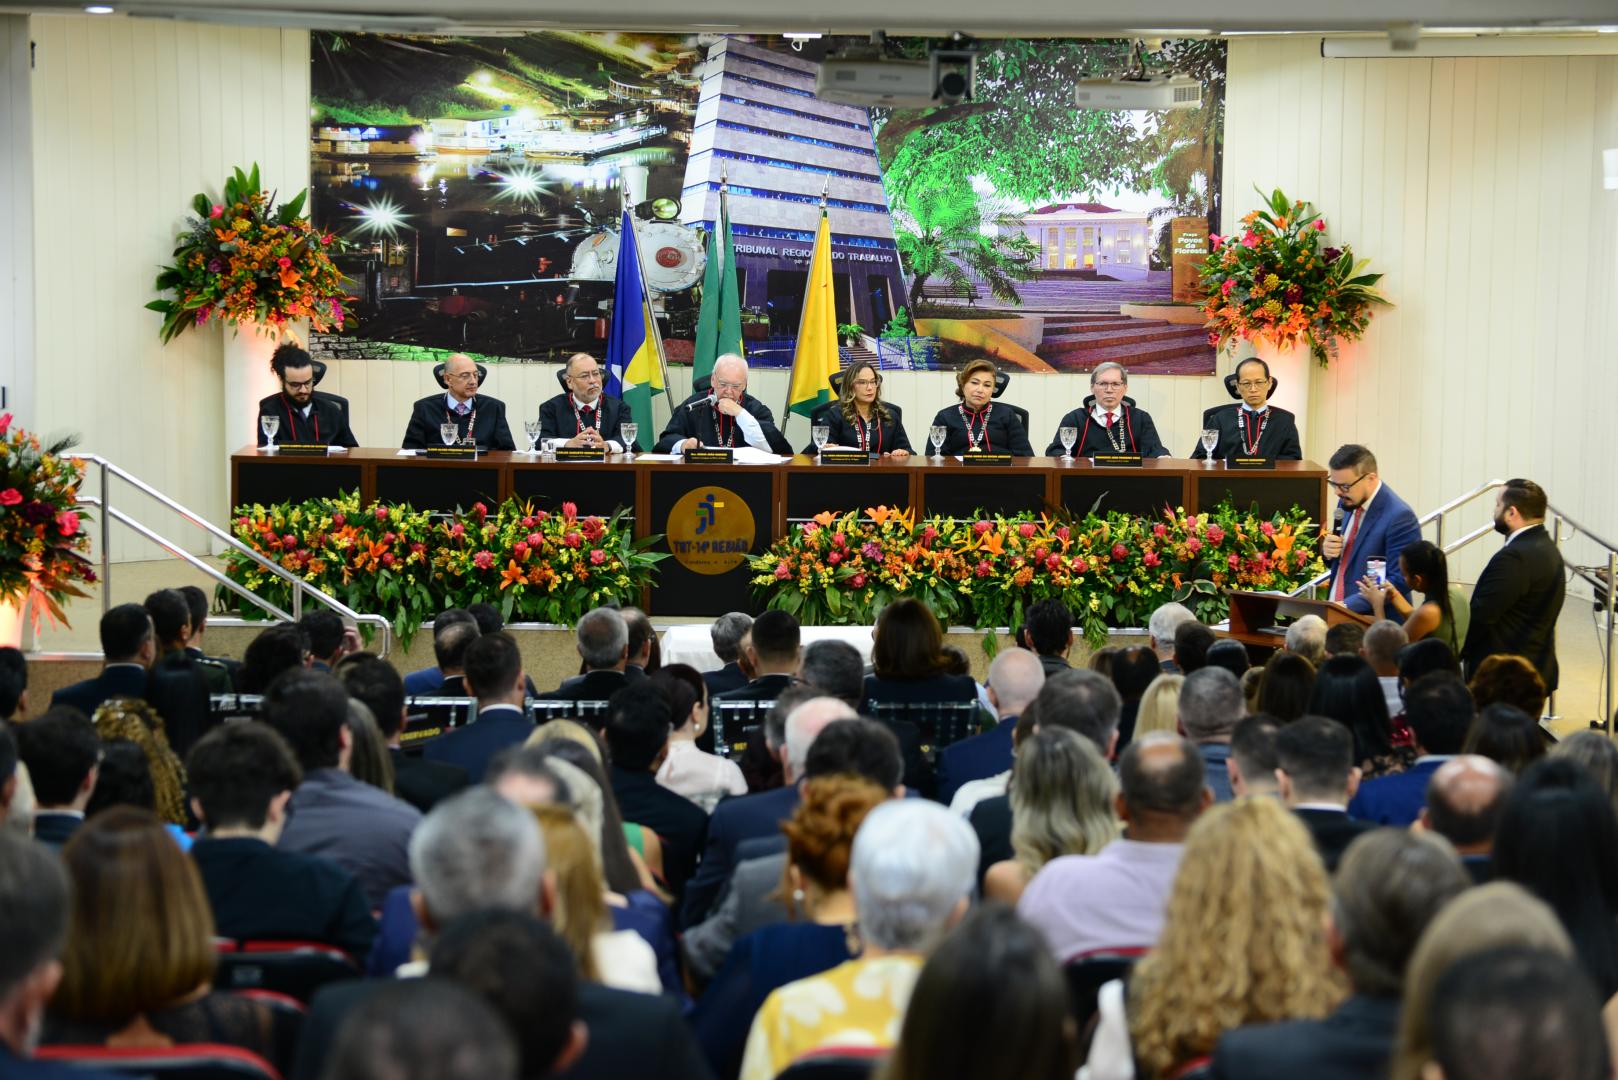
306	415
1520	593
1374	522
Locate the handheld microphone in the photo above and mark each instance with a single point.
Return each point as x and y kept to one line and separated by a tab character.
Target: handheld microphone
1337	520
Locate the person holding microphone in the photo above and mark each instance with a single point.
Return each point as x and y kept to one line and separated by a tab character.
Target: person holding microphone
1372	523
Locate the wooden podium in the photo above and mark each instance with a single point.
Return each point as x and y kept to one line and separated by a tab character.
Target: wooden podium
1253	617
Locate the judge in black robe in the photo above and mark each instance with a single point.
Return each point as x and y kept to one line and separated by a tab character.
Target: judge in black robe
485	415
701	417
978	422
1252	427
306	414
876	437
583	415
1131	432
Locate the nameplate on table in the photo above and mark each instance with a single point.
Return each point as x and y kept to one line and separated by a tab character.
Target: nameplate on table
1116	461
451	453
301	449
984	457
581	453
1236	462
844	457
710	455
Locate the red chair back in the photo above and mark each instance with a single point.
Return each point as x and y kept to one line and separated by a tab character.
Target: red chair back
188	1061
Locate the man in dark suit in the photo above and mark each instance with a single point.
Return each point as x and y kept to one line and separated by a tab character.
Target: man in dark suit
128	646
427	680
177	687
1108	422
63	755
1015	679
462	406
1466	798
728	633
1376	524
584	417
494	675
1317	776
1047	632
1252	427
728	416
419	782
637	730
1520	593
603	644
197	601
306	415
1391	884
450	647
1439	710
773	654
241	778
34	895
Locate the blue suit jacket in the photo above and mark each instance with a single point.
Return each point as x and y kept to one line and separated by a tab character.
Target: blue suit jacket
424	681
472	746
87	696
733	821
1397	799
1389	527
977	758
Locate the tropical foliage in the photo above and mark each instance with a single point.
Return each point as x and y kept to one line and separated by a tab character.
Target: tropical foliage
1110	570
409	564
940	233
1275	283
43	546
244	260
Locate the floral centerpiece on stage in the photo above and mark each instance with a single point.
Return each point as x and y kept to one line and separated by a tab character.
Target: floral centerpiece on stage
408	565
1275	283
44	550
1110	570
244	260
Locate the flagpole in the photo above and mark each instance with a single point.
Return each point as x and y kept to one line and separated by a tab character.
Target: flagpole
786	410
646	296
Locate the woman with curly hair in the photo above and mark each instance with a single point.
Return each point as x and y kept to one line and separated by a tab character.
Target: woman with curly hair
1244	942
134	720
1062	795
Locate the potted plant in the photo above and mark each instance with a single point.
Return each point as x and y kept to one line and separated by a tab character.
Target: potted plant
850	333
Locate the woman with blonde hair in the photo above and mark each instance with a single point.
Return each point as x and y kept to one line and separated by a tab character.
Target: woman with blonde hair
861	420
1243	942
1160	706
132	719
1062	796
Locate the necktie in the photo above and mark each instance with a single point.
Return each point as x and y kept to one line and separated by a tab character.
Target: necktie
461	408
1348	548
1109	419
589	417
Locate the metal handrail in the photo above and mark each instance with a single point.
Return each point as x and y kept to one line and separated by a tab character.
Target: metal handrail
110	513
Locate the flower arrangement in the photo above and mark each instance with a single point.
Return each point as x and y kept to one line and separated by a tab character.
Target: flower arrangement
1110	570
409	564
43	546
245	260
1274	283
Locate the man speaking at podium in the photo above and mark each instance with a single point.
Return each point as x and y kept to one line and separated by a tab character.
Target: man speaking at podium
727	416
463	406
583	417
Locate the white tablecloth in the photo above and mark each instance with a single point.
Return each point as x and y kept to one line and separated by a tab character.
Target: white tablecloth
693	645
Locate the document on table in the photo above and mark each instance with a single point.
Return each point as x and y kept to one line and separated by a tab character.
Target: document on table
747	455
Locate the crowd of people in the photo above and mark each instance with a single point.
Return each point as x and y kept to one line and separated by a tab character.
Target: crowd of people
1358	858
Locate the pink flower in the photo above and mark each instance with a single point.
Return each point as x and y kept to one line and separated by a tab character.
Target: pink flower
981	527
289	541
520	550
1214	240
570	510
834	558
1026	529
67	523
1063	533
418	548
857	581
984	569
325	239
1233	561
284	263
1230	283
535	540
387	558
1190	522
337	520
1193	545
1160	530
1266	528
839	540
1151	558
528	522
388	538
782	571
216	212
480	510
1052	563
544	515
928	534
457	530
594	529
1039	554
572	539
1250	240
1320	225
871	551
483	560
382	513
810	528
10	497
597	556
1120	552
243	523
1080	565
1215	534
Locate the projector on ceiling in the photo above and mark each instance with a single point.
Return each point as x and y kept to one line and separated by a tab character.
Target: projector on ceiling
874	82
1153	94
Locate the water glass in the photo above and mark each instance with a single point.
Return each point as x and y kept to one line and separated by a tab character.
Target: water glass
1210	437
449	432
269	425
1068	436
530	428
629	429
820	433
937	435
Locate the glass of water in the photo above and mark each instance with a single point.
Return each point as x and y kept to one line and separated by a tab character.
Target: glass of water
1210	437
530	428
1068	436
269	425
937	435
629	429
820	433
448	432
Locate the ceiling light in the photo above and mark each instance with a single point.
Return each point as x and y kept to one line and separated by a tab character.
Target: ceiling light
98	9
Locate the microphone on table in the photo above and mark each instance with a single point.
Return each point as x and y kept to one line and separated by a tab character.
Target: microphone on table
707	402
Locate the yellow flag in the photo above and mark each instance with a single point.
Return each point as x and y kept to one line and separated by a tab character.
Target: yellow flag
816	358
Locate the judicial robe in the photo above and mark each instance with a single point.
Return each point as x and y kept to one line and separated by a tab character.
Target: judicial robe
1278	438
883	438
557	420
696	419
1005	431
327	421
1131	427
427	414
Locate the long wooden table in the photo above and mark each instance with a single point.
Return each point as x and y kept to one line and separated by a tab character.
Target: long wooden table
658	493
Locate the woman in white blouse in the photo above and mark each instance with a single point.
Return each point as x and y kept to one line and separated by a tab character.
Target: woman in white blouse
702	777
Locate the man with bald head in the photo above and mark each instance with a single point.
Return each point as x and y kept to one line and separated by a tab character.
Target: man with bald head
461	405
583	417
1015	679
724	415
1465	798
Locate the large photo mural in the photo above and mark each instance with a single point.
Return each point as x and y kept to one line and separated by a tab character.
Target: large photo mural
481	182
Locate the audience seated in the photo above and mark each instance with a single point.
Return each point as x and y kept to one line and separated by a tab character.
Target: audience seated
427	680
637	731
281	648
368	762
1230	655
1390	886
1318	777
139	960
1517	1012
419	782
966	977
62	754
1440	713
912	872
1047	632
242	778
1483	918
1345	639
1558	838
603	644
726	634
1211	705
450	646
1192	641
13	684
9	782
687	769
1159	707
1465	799
1424	657
129	722
836	669
645	655
124	778
128	646
1598	754
1504	733
1115	899
1347	691
1510	680
197	601
1252	762
332	815
1307	638
34	897
1165	620
1133	671
772	656
1380	646
1267	960
1062	803
1015	679
424	1029
494	676
329	639
907	660
1286	687
177	687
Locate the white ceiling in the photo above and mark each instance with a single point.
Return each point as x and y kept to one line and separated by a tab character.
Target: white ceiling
933	17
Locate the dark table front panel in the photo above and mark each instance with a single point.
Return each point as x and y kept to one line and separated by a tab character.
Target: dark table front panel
681	589
1141	492
956	493
593	488
810	491
439	485
271	480
1271	494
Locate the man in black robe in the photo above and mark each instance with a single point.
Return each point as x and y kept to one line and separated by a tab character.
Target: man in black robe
1108	422
461	405
584	417
1251	427
726	416
306	415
